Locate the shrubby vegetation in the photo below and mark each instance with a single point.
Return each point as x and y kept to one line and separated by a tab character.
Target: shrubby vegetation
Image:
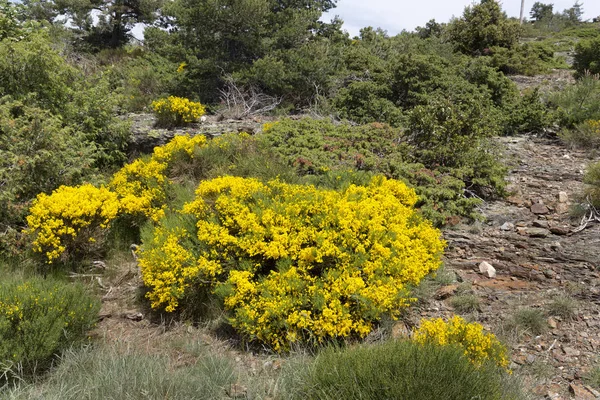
401	369
592	179
312	231
445	179
39	318
293	262
587	57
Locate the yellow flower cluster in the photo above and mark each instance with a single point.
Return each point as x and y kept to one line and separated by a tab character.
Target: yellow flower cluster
177	111
267	126
295	262
478	346
592	126
140	187
57	220
181	144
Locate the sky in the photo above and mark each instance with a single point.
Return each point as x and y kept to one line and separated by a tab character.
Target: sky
396	15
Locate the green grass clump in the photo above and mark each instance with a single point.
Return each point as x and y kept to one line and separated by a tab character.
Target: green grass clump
531	320
100	373
400	370
562	306
593	377
465	303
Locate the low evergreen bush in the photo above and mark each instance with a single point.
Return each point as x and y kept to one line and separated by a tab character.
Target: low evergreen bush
401	370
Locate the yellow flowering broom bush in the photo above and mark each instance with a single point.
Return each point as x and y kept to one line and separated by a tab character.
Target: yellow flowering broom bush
71	218
294	262
478	346
177	111
143	184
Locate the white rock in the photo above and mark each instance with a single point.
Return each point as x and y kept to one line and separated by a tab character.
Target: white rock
487	269
563	197
507	226
203	118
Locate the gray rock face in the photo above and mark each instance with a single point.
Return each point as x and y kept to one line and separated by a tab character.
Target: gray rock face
537	232
539	209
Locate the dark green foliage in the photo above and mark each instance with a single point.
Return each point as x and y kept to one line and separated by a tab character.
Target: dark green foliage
541	11
483	26
525	59
592	180
217	38
40	318
33	72
587	57
140	77
431	29
528	114
37	154
444	179
31	69
400	370
364	102
577	103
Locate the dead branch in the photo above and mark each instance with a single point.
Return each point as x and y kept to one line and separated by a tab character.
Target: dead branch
247	101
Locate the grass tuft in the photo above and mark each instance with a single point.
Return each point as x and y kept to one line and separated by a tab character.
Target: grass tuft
99	373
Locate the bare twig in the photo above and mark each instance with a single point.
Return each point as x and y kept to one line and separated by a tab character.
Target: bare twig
591	215
246	101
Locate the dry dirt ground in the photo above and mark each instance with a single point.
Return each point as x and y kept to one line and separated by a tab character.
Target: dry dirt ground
529	238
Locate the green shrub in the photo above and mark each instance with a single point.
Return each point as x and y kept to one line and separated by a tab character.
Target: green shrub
577	103
401	370
592	180
38	319
319	147
452	136
526	59
114	373
31	69
527	114
483	26
92	110
37	154
364	102
585	135
143	78
292	262
587	57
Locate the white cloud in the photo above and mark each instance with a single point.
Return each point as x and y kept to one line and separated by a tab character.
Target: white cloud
396	15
